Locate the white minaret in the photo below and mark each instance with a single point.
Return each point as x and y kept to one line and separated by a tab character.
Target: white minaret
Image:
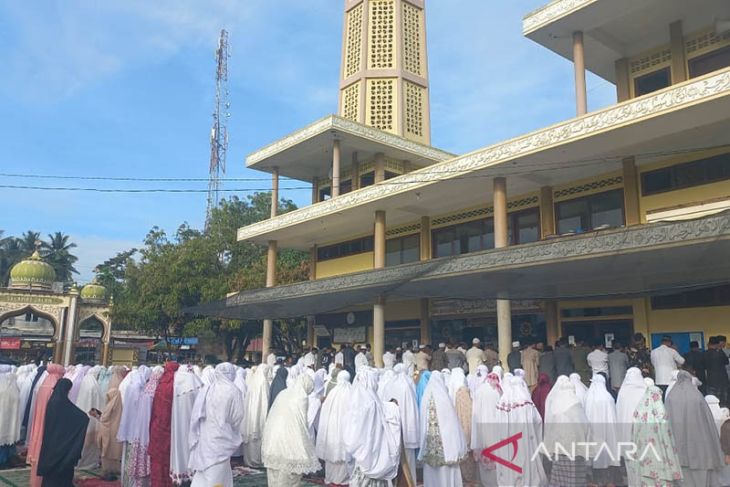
384	75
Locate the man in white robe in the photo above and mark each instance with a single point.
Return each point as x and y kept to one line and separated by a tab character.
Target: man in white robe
330	445
185	390
215	429
372	435
361	360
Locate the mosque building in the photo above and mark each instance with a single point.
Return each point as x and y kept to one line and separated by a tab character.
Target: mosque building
607	224
39	320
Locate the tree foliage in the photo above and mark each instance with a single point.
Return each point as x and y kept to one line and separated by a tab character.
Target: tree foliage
153	285
57	251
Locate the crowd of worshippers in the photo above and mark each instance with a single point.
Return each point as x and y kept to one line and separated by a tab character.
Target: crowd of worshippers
336	415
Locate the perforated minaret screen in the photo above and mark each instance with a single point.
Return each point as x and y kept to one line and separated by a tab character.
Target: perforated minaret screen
384	75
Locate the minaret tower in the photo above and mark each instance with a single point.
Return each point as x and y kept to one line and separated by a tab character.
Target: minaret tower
384	75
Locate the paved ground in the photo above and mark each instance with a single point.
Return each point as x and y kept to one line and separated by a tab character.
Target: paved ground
85	478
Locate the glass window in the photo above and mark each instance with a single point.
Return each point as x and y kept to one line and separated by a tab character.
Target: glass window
463	238
651	82
713	296
344	249
591	212
367	179
687	175
390	175
524	226
402	250
345	186
709	62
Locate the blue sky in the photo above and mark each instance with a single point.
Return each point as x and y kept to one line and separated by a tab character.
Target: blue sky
125	88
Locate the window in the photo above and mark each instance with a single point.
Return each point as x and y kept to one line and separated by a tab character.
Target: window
463	238
709	62
524	226
391	175
713	296
593	312
591	212
325	193
345	186
653	81
687	175
403	250
367	179
359	246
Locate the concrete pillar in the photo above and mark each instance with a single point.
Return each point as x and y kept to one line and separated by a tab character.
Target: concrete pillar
623	81
315	190
270	282
379	167
641	318
313	263
504	308
552	322
425	320
310	331
379	243
547	212
335	168
579	64
70	328
679	58
379	331
425	240
274	192
407	167
105	354
355	171
632	208
379	306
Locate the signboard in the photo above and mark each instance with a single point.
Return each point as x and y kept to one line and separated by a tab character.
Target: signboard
9	343
460	307
26	299
357	334
321	331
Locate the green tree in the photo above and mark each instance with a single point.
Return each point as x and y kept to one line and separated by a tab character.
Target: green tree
57	252
28	242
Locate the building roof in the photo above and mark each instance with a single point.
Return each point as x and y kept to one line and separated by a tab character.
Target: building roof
615	29
306	154
93	291
32	273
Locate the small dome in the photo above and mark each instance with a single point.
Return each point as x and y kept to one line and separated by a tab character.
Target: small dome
93	291
32	273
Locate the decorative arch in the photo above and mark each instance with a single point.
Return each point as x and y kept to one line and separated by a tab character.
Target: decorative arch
104	322
6	312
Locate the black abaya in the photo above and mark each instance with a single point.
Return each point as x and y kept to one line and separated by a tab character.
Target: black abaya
63	438
278	384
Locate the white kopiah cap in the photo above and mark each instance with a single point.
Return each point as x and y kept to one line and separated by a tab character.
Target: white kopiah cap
476	341
515	344
442	345
422	347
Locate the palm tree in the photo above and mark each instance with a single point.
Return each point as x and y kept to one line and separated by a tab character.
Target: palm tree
10	254
57	252
28	242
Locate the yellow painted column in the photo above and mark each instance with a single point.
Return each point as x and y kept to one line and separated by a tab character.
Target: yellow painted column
379	306
335	168
632	207
579	64
70	328
274	192
313	263
379	167
268	324
547	212
425	238
641	318
504	308
679	58
315	190
355	171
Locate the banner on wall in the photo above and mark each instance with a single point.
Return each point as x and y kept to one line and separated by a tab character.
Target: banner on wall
9	343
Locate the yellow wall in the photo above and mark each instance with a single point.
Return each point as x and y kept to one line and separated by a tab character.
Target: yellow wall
684	197
124	356
711	320
345	265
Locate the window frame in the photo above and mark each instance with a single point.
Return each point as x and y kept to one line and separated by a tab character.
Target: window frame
588	198
675	182
401	240
346	249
